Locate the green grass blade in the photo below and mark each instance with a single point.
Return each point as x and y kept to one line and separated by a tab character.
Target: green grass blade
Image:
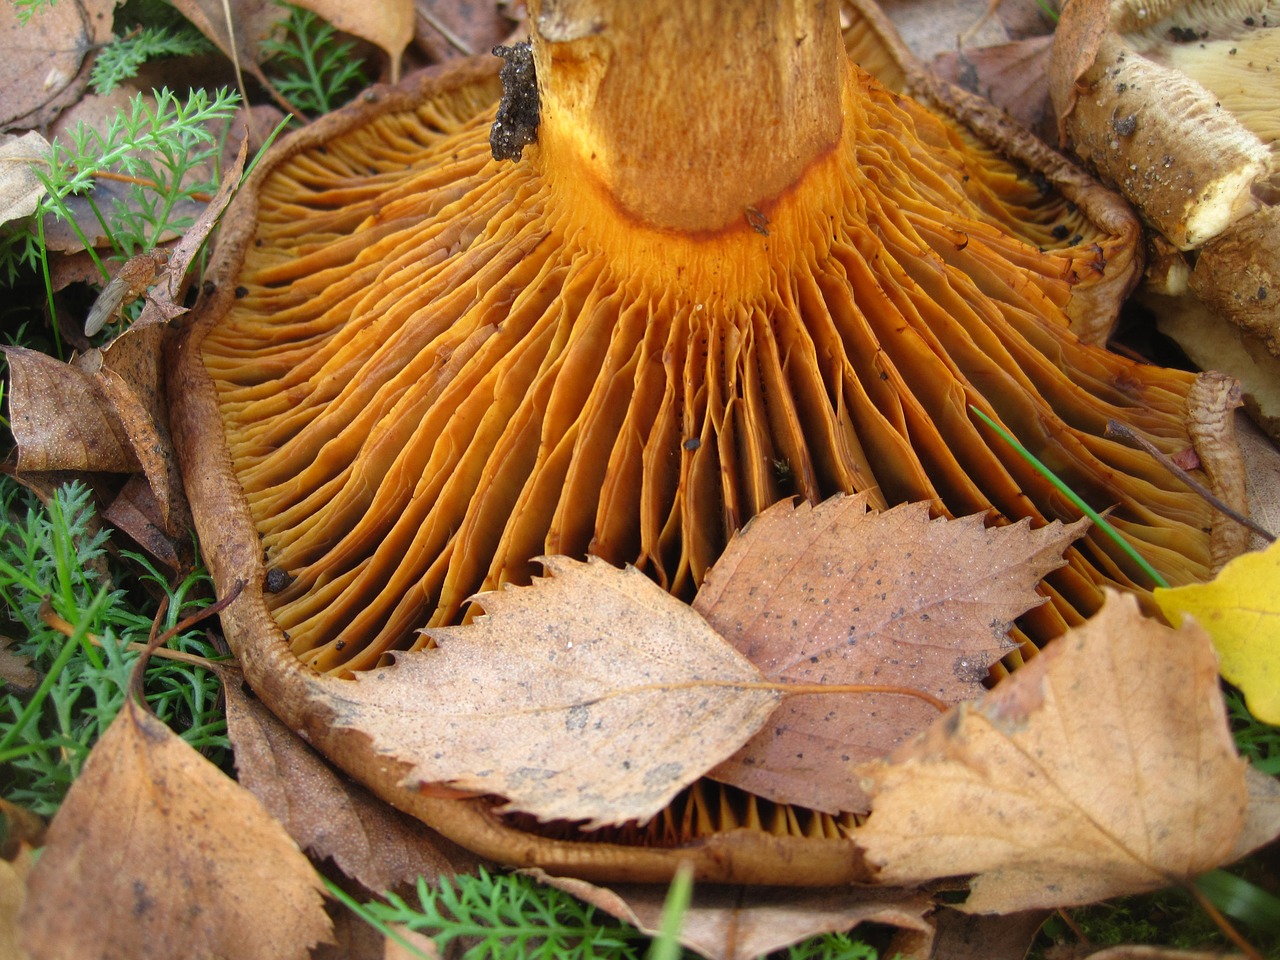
666	946
360	911
1103	524
1242	900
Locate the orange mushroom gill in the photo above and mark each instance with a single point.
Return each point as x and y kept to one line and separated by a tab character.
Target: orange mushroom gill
733	268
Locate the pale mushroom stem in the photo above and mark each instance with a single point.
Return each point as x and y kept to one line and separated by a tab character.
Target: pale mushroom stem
691	115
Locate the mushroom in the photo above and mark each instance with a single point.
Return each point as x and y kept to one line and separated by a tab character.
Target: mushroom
1175	103
732	268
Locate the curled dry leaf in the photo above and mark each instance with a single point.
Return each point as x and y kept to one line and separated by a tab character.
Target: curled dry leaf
590	695
236	27
1077	40
20	188
1103	767
1240	609
833	594
325	813
61	418
102	414
180	859
742	923
136	513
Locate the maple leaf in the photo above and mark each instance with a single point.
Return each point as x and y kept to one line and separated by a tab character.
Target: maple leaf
590	695
1240	610
832	594
157	853
1103	767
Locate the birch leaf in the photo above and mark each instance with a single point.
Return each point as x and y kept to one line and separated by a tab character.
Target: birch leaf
833	594
1104	767
590	695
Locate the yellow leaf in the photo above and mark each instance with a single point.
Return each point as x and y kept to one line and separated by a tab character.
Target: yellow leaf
1240	609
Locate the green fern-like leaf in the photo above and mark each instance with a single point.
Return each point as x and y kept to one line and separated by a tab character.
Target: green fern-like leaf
509	917
57	555
170	149
120	60
832	946
26	9
310	67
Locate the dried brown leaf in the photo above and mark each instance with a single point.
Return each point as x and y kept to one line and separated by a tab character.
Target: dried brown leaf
129	283
23	832
423	946
42	61
1262	468
253	21
21	827
1262	819
1014	76
180	861
137	514
967	936
1103	767
327	814
932	26
1142	952
13	892
387	24
454	28
833	594
20	188
353	937
1075	48
16	670
83	221
103	413
61	418
742	923
591	695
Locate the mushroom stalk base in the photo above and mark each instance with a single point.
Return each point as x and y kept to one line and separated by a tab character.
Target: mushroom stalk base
688	115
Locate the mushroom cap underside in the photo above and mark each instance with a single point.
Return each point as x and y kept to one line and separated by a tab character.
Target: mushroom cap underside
423	368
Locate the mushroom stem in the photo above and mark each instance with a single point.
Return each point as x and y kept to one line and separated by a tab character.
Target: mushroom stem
689	115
